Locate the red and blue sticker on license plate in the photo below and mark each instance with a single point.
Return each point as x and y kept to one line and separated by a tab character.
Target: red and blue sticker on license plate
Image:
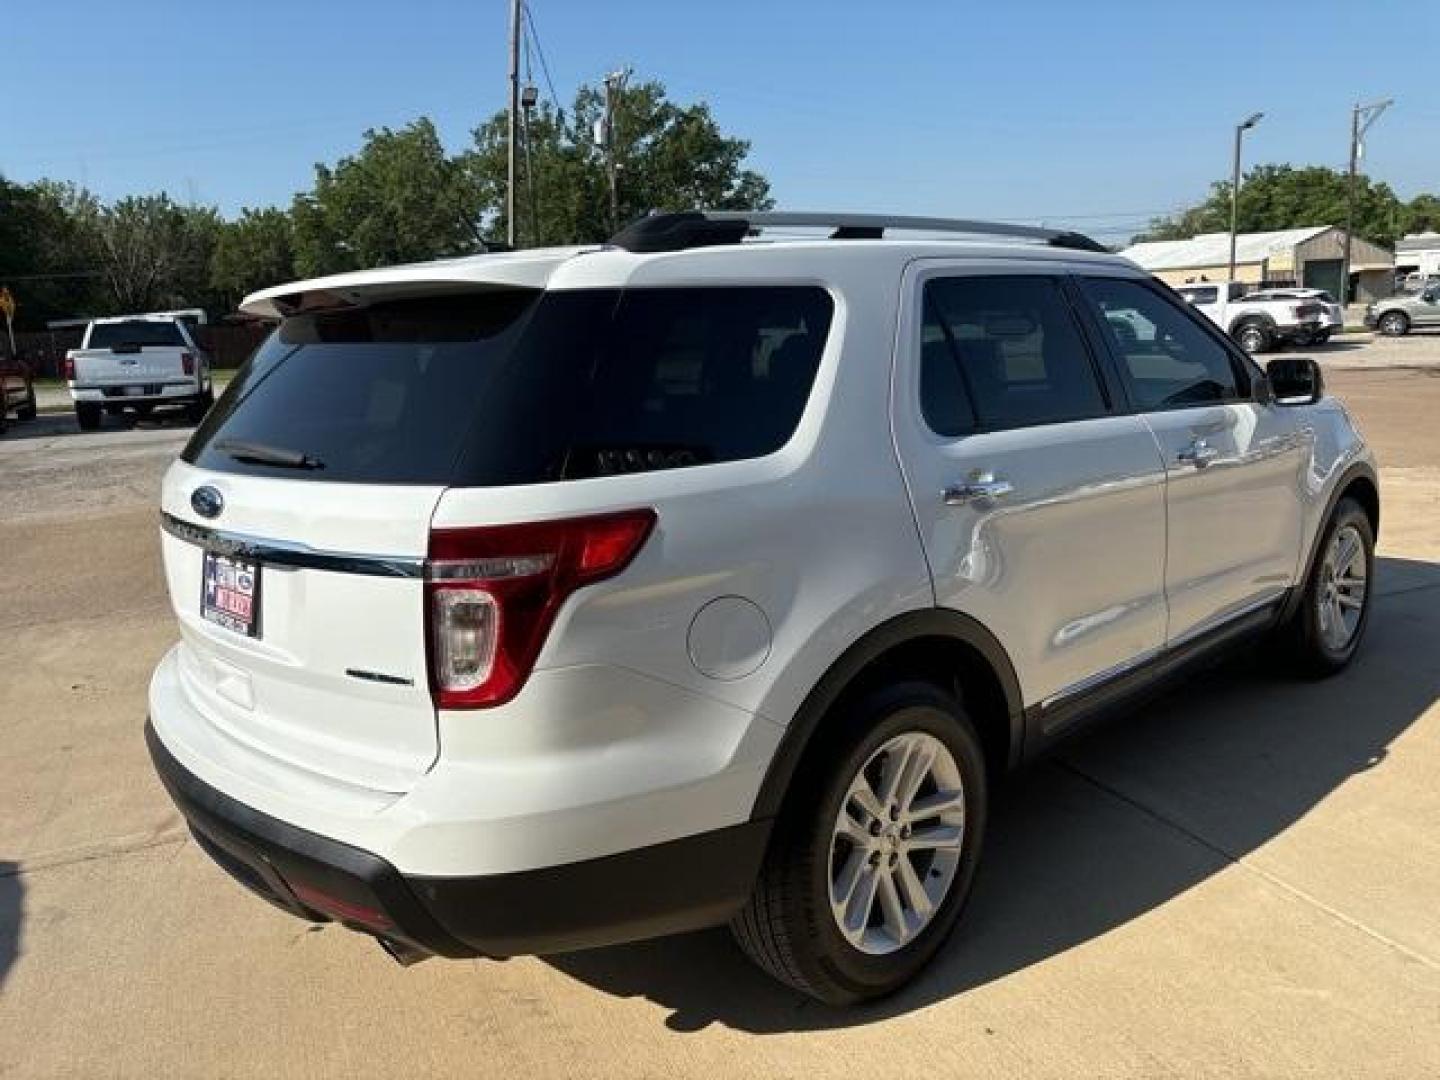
230	594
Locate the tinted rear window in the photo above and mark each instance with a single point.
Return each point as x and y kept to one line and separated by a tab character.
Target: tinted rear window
521	387
137	332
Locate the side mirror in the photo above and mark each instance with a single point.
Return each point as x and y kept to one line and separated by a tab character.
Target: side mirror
1295	380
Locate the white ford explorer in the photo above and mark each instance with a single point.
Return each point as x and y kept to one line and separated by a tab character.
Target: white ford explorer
544	600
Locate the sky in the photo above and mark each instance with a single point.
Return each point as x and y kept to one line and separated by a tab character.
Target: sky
1094	115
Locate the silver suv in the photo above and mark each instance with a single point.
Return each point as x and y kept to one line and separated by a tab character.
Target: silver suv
544	600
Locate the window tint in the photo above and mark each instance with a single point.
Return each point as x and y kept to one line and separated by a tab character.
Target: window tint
1206	295
1170	362
1235	291
519	387
1001	352
139	332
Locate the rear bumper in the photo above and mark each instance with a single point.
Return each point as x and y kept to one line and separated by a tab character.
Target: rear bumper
1299	330
681	885
155	393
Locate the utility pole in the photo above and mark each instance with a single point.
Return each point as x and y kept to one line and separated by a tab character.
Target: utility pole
614	87
1361	117
1240	130
513	138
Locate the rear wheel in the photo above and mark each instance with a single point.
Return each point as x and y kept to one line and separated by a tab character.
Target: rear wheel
1394	324
875	851
88	414
1326	630
1253	337
1322	337
197	409
29	409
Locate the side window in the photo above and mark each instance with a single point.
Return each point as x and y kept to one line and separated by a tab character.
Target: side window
1169	361
1206	295
1002	352
1234	291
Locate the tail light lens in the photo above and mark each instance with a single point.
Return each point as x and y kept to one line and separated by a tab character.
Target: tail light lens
492	594
67	369
187	363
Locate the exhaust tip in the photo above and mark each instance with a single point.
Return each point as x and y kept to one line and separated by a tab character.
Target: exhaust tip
403	954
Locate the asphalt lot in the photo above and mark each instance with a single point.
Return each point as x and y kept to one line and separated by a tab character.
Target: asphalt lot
1241	880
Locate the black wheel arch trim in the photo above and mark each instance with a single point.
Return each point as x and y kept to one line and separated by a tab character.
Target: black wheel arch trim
1359	470
898	631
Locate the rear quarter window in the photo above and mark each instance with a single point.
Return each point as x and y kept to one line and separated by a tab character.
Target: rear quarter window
521	387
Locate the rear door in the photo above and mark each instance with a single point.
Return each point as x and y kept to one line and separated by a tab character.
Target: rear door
1040	505
1235	466
308	491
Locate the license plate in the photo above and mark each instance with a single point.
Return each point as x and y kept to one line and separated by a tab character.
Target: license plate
134	391
230	594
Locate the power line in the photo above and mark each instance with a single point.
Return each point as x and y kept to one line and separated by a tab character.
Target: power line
540	51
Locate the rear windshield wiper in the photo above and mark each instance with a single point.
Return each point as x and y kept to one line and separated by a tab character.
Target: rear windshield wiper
260	454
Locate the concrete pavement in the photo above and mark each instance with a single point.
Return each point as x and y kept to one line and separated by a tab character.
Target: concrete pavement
1243	879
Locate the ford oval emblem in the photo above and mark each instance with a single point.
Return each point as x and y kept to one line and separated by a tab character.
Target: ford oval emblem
207	502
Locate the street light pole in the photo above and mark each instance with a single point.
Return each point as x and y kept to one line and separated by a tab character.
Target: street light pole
1369	113
1240	130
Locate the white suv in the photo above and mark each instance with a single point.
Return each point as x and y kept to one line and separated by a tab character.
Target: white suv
544	600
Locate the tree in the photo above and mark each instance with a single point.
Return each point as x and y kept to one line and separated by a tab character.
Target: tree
46	250
400	199
255	250
1284	197
1422	214
670	157
154	253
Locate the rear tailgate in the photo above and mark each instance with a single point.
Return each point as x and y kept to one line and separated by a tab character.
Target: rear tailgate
334	680
147	365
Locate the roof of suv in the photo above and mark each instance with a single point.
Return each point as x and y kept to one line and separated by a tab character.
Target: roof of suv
616	264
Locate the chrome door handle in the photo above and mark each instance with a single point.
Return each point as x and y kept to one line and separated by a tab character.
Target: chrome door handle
1199	453
981	487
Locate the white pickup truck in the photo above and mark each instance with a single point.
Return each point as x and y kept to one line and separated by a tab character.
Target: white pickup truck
1260	322
139	362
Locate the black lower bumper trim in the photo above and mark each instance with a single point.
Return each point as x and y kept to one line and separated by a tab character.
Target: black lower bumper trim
685	884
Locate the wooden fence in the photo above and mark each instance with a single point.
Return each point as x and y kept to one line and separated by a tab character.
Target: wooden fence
229	344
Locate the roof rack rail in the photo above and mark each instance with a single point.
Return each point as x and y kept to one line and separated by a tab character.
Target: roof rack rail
706	228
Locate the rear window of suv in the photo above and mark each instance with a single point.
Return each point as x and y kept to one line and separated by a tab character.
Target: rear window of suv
520	386
141	332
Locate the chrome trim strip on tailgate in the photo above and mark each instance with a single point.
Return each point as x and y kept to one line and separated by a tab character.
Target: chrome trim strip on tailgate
286	553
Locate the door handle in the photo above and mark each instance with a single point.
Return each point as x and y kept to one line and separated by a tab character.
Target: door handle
1199	453
981	487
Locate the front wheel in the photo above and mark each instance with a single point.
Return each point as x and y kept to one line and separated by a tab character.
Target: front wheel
1394	324
875	850
1253	338
1334	610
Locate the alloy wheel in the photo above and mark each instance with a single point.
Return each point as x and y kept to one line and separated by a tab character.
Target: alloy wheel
896	842
1343	588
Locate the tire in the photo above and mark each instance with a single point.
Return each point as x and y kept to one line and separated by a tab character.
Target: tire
1394	324
1317	645
1321	338
196	410
88	413
789	927
1303	340
1253	337
30	409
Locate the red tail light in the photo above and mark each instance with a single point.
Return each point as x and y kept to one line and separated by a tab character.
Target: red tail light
187	363
67	369
491	595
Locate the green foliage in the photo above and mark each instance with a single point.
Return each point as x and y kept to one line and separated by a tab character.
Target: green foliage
1284	197
669	157
399	198
253	251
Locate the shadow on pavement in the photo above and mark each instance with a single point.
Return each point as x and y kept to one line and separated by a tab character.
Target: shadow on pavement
50	425
1112	827
11	915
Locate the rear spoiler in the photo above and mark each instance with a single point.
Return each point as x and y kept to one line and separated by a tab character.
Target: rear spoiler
518	270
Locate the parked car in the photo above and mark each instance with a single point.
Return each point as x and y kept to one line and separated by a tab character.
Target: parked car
537	601
1397	315
138	363
17	391
1256	321
1332	318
